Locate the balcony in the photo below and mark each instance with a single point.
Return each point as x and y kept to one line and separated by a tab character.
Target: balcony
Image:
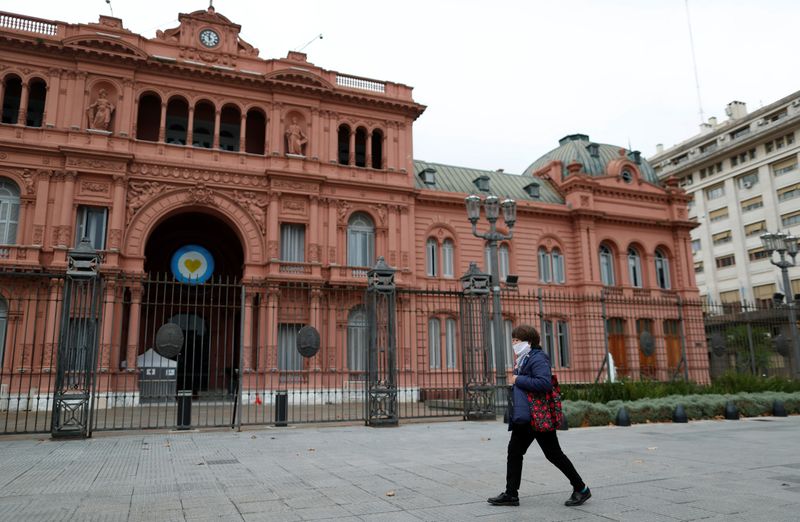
18	256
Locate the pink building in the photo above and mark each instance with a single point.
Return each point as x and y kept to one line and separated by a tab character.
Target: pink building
241	198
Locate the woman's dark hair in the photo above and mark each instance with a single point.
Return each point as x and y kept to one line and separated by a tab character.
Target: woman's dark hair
526	332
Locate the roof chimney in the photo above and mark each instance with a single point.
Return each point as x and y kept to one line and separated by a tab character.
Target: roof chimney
659	148
712	121
736	110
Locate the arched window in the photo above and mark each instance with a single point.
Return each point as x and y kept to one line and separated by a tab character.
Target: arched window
148	117
431	255
12	96
177	121
448	253
203	131
357	339
434	343
606	266
255	132
230	123
634	268
559	274
9	211
361	147
3	325
544	266
344	145
662	270
360	240
37	92
377	149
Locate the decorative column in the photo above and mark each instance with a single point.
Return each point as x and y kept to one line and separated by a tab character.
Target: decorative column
403	145
40	213
368	161
190	128
333	138
314	226
65	226
314	135
51	99
337	351
385	152
126	102
263	330
52	326
272	226
217	118
133	327
117	214
162	125
352	159
2	92
22	119
273	301
243	133
316	322
108	326
393	238
330	236
276	122
247	342
79	87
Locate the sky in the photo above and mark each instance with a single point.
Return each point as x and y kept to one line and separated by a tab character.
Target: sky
503	81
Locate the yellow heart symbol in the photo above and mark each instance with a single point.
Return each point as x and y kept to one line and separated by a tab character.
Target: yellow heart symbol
192	264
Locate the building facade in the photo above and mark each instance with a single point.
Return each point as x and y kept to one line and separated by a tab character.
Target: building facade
743	178
242	198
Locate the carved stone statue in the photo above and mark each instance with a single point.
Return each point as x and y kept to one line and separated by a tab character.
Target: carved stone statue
295	138
100	112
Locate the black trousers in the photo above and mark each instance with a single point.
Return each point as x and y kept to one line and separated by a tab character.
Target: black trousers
522	435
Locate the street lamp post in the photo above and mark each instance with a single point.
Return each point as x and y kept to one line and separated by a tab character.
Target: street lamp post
492	206
783	244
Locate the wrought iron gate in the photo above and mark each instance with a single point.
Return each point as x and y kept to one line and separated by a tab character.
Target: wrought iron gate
476	349
381	400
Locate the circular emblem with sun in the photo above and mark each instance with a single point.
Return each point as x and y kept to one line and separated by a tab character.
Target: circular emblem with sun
192	264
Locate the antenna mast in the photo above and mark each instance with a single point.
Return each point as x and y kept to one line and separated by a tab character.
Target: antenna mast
694	64
318	37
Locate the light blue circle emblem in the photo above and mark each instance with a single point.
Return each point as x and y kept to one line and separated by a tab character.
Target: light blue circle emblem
192	264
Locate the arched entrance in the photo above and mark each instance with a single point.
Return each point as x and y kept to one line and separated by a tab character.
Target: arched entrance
194	262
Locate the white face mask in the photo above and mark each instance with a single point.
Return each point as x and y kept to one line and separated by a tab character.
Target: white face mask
520	347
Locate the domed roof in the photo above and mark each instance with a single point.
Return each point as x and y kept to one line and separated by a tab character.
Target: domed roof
593	156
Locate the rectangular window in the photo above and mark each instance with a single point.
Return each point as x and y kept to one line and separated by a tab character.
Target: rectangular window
725	261
293	239
791	219
779	168
754	229
717	191
92	225
741	131
731	302
747	181
790	192
289	358
708	147
778	115
450	343
757	254
548	340
558	267
768	146
698	267
789	139
447	258
562	332
434	343
696	246
722	237
751	154
763	294
718	215
734	161
752	204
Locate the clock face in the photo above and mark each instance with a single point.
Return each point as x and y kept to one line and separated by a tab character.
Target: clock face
209	38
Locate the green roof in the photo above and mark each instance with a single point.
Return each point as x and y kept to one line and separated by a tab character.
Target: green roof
576	147
450	178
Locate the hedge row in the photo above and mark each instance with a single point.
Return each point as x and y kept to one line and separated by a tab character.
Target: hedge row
706	406
633	390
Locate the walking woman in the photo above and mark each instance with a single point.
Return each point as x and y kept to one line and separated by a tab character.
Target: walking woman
532	375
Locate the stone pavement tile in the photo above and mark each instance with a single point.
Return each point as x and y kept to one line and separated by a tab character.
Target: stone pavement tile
89	516
322	513
639	515
682	511
397	516
263	495
408	500
370	508
169	514
286	516
267	506
306	497
347	494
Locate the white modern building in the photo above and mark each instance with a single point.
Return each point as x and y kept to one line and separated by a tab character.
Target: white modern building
744	176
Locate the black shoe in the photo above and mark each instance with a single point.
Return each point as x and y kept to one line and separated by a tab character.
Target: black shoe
503	499
578	497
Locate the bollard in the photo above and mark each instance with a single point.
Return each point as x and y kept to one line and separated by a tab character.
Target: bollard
281	401
778	409
679	415
623	417
731	413
184	420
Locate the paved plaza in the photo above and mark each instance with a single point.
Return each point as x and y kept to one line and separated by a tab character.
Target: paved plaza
707	470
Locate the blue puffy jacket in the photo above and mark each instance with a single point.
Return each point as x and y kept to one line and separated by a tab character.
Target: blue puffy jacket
533	375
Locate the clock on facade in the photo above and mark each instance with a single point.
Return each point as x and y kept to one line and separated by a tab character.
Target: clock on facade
209	38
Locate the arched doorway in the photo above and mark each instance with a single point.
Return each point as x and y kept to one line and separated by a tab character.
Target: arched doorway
194	266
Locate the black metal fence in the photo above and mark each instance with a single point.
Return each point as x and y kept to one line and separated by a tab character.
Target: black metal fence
237	362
